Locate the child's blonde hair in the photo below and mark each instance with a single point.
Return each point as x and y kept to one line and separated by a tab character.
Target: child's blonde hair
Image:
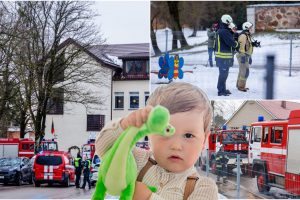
183	97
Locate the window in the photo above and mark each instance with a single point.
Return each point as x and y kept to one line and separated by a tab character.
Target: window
134	100
266	134
119	100
256	134
137	66
95	122
146	97
49	160
55	103
276	134
28	147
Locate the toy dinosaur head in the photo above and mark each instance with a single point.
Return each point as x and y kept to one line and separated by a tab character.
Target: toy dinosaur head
158	121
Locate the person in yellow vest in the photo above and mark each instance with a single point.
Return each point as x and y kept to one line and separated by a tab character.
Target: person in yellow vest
86	173
78	169
244	56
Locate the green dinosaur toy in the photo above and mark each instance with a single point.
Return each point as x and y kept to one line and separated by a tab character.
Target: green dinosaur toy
118	171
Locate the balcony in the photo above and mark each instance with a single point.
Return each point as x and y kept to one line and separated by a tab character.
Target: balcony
126	77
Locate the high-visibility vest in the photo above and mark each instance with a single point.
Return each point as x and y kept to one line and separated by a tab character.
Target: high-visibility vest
77	162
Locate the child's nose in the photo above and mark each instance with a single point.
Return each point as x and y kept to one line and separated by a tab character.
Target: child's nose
176	144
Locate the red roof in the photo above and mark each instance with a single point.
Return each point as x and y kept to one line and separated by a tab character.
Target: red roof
280	109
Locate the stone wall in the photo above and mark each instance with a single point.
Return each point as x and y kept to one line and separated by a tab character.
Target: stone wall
268	18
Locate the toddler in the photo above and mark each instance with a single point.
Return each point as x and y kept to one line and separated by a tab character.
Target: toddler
169	165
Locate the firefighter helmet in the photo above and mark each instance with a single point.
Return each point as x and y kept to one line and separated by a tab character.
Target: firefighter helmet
226	19
247	25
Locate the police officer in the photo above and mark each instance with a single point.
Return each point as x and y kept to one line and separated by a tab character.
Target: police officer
225	45
244	56
78	169
86	173
221	161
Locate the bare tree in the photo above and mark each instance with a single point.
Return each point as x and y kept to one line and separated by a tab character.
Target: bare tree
48	63
154	14
176	25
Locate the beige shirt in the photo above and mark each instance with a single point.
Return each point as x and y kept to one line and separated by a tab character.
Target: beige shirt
169	185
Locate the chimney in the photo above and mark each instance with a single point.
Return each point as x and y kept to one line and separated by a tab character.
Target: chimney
283	104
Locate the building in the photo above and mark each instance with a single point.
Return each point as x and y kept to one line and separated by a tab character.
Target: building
125	72
249	111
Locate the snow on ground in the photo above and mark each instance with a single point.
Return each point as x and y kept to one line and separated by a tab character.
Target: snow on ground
206	78
285	87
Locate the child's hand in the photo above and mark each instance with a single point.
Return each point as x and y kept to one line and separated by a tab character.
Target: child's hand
141	191
136	118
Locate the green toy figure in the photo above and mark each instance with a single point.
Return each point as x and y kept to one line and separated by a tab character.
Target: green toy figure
118	171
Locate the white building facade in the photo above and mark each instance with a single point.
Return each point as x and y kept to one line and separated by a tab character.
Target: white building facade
75	123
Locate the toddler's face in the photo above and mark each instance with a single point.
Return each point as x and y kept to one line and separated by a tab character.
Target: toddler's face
180	151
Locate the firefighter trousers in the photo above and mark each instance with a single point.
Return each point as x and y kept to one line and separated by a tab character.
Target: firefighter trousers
243	71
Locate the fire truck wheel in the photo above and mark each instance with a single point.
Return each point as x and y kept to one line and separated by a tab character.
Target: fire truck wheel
19	179
262	183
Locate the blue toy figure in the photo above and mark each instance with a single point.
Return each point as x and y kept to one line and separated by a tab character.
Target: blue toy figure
164	66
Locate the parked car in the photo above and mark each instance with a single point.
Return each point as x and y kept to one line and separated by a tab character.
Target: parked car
15	170
53	167
95	168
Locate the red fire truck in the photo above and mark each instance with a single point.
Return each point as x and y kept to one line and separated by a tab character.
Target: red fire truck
274	150
14	147
233	141
88	150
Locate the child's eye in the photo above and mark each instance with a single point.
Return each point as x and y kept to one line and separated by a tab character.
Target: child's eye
188	135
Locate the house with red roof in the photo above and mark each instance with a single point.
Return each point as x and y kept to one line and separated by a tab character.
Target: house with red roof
249	111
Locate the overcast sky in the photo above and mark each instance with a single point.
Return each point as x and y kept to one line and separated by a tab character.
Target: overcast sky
124	22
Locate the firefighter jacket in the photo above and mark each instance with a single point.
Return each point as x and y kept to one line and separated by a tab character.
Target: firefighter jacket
225	43
211	38
245	43
221	159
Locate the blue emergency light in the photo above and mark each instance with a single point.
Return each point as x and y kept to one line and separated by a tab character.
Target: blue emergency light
224	127
244	127
260	118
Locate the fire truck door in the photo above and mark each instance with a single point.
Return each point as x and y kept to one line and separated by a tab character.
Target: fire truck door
293	161
255	143
276	151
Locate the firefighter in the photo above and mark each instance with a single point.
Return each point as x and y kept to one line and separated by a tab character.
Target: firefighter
225	45
78	169
221	161
211	34
86	172
244	56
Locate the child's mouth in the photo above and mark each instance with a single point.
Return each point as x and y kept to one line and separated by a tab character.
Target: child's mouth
175	158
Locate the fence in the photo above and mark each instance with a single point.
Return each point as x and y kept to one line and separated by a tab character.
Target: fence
239	171
284	46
